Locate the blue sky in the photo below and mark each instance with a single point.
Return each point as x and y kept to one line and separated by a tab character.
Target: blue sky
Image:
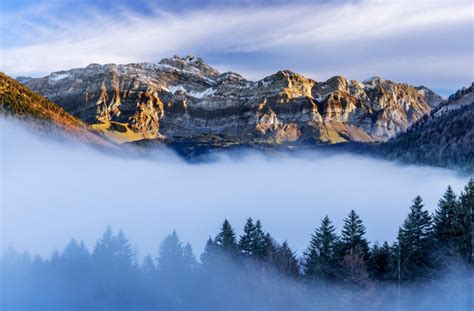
419	42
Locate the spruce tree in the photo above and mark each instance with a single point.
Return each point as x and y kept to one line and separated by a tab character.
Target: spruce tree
75	254
209	255
189	260
226	239
353	236
123	250
447	231
415	243
258	241
171	254
245	242
466	222
104	249
318	260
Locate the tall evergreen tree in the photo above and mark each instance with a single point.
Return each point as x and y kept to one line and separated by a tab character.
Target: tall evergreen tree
104	248
75	254
466	222
447	229
245	242
226	239
258	241
171	253
415	243
319	258
189	260
123	250
353	236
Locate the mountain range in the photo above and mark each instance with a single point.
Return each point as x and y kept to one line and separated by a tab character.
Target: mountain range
187	104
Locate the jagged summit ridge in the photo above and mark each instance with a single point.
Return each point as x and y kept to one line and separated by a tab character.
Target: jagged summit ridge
185	97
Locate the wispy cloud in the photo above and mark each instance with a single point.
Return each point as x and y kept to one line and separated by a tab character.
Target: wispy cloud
420	42
74	191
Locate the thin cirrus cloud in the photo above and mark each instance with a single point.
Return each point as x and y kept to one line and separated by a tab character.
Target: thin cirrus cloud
419	42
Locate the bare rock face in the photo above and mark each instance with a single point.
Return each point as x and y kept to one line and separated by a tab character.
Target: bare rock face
445	138
185	97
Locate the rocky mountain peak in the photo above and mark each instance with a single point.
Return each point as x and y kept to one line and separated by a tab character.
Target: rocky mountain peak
185	97
191	63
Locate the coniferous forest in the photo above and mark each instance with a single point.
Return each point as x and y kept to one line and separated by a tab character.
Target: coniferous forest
428	267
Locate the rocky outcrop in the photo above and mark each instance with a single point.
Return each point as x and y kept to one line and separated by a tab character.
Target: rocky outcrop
185	97
445	138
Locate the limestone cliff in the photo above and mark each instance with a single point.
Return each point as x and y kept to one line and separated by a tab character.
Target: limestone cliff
185	97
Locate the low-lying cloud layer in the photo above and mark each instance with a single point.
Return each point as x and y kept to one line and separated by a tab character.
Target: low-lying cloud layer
419	42
53	191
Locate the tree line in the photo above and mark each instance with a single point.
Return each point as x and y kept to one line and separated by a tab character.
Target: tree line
254	264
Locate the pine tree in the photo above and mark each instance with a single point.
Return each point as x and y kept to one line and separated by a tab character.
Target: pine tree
447	231
226	239
415	242
258	241
318	260
466	222
123	250
75	254
353	236
171	254
245	242
209	255
189	260
104	250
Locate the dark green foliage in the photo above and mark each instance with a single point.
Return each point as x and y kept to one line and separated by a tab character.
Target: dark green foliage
445	140
245	242
258	241
415	243
466	222
226	239
253	242
380	261
319	259
353	236
447	224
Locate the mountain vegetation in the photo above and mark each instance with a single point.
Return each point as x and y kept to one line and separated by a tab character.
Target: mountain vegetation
445	138
19	102
254	271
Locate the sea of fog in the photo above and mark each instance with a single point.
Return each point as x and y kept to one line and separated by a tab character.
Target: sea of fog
53	191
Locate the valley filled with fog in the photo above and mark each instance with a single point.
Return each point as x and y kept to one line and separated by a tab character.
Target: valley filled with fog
52	191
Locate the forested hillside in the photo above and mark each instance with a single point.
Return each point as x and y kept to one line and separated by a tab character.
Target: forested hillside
19	102
446	138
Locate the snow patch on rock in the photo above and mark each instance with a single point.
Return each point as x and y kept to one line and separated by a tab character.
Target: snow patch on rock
55	77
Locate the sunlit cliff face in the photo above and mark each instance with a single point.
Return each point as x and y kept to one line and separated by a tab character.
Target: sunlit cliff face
53	191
